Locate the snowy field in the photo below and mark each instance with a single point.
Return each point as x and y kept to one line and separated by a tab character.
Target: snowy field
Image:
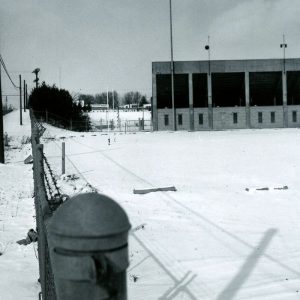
19	265
229	232
124	115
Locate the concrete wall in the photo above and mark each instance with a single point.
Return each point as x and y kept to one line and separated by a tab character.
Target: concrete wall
161	119
223	118
266	117
205	125
290	110
185	119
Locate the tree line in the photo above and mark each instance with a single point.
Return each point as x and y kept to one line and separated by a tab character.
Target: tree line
114	98
54	104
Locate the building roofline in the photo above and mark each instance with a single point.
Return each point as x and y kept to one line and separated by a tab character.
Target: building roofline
226	60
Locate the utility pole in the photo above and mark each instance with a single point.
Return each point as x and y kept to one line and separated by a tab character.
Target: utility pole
36	72
283	45
20	87
284	85
172	68
207	47
210	104
24	95
1	125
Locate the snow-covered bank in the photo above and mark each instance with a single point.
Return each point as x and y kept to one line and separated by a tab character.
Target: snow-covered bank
19	264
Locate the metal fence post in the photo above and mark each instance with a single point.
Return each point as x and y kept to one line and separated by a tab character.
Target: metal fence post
88	239
63	159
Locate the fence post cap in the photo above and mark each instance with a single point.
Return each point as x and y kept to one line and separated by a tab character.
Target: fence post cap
89	216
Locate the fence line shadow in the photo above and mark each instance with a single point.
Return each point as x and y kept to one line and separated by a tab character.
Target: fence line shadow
239	279
178	287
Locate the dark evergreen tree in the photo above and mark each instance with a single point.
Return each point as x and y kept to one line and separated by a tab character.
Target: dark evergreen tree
60	107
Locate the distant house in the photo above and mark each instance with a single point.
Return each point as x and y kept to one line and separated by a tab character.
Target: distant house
99	106
130	106
80	103
147	106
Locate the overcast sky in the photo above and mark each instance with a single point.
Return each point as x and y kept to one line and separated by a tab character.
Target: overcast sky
90	45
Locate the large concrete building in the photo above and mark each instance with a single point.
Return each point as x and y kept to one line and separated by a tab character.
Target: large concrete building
227	94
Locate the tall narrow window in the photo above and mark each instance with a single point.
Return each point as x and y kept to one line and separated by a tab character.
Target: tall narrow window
180	119
272	117
294	116
166	120
235	118
200	119
260	117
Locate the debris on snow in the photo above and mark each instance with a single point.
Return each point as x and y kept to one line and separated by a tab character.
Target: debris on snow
28	160
142	226
31	237
267	188
263	189
281	188
146	191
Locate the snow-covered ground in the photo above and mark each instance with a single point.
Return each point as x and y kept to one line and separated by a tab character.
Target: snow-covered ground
19	265
219	236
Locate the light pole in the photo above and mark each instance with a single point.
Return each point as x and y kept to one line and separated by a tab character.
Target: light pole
172	68
209	104
284	85
36	72
207	48
283	45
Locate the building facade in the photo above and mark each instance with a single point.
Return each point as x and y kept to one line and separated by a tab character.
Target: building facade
227	94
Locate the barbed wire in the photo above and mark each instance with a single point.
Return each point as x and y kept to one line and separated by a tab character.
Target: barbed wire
48	187
53	192
52	176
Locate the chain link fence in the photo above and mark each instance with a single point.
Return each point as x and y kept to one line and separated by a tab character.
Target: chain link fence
47	198
102	124
90	264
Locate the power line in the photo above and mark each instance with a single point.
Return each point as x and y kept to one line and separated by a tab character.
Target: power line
5	69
